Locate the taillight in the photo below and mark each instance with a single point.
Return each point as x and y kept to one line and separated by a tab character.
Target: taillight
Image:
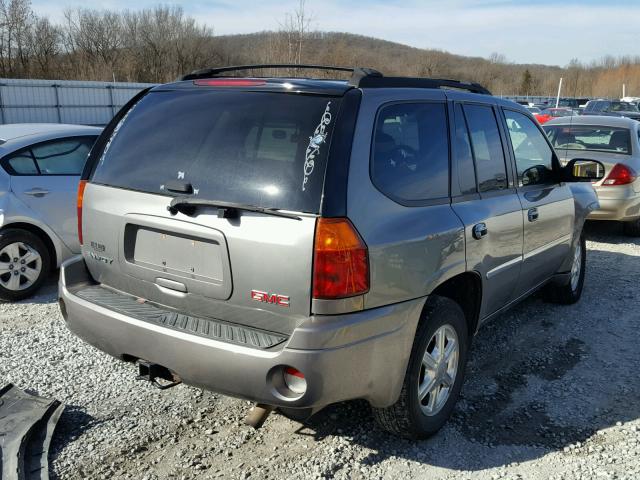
228	82
620	175
340	260
81	187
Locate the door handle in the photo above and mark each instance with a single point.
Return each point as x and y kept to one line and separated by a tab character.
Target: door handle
479	231
532	214
37	192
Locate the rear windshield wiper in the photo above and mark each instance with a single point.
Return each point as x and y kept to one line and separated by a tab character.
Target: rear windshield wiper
188	206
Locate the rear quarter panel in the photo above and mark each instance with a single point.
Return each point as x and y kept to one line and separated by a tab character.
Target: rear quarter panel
411	249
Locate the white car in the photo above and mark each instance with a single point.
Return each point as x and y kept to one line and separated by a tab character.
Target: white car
41	166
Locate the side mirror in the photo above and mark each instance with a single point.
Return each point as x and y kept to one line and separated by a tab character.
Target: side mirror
583	170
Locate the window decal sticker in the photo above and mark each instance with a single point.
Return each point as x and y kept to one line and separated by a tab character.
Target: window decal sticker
319	137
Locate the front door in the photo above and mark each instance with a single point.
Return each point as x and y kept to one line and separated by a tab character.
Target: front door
547	205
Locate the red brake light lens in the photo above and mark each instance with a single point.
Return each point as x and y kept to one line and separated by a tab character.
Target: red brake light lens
341	260
81	187
228	82
620	175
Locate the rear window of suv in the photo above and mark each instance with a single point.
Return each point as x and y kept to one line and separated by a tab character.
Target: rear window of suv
590	137
263	149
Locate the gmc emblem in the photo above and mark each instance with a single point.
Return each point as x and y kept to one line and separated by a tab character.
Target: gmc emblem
273	298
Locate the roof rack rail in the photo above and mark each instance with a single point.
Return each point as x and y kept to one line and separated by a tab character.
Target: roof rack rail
360	77
357	73
419	82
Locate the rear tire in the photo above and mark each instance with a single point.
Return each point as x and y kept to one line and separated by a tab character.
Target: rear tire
417	416
570	292
632	228
25	263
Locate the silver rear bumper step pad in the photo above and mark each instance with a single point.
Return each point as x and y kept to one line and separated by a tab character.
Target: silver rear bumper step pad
27	423
204	327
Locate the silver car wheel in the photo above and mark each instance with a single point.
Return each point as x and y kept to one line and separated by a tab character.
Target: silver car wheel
438	370
20	266
576	267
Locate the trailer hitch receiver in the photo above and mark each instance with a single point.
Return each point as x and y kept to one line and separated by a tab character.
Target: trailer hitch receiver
152	372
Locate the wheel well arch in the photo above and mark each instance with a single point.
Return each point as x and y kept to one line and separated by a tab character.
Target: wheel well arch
41	234
466	290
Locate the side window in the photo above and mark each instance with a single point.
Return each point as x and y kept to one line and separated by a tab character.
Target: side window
463	153
63	157
410	158
534	157
487	147
21	163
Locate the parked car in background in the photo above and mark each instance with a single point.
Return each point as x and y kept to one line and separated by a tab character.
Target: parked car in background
299	242
634	100
41	165
612	108
533	110
613	141
550	113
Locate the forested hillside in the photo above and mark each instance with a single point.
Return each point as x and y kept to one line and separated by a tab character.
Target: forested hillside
161	43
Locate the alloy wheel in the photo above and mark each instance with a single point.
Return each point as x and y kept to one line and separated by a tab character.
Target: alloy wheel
20	266
576	267
438	370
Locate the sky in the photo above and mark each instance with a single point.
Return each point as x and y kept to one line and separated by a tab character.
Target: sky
548	32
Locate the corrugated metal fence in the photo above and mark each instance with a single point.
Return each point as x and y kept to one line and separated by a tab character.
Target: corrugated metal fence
63	101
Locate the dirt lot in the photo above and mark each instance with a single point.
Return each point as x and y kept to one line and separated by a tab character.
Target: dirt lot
551	392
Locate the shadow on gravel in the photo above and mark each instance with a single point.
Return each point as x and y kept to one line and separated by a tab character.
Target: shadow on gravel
72	424
541	377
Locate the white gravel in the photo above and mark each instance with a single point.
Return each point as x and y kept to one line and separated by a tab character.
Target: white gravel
551	393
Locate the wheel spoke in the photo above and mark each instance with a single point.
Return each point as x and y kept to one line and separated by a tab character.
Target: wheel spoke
447	380
31	274
452	347
14	282
4	267
12	250
30	257
440	339
426	387
429	362
433	397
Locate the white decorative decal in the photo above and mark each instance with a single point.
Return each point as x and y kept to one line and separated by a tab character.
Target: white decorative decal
180	175
319	137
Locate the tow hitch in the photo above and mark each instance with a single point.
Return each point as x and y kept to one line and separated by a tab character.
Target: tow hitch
152	372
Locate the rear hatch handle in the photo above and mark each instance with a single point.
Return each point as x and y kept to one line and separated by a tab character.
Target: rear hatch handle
188	206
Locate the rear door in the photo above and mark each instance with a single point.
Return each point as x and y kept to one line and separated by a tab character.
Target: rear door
45	177
547	204
486	201
263	149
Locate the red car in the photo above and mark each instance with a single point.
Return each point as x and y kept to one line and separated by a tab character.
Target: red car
551	113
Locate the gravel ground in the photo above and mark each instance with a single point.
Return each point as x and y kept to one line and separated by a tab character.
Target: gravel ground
551	393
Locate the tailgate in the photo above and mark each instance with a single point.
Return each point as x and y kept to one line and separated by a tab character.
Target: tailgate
254	270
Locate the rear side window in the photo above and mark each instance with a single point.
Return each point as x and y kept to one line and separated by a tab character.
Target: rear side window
262	149
22	164
410	154
65	156
487	147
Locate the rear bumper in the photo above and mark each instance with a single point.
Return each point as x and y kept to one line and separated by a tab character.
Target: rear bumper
617	203
358	355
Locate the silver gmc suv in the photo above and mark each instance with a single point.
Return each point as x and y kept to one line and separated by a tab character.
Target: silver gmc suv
299	242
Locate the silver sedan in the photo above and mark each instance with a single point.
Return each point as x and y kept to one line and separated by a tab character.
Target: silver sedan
41	165
614	141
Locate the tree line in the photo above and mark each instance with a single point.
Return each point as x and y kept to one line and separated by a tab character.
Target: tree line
161	43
